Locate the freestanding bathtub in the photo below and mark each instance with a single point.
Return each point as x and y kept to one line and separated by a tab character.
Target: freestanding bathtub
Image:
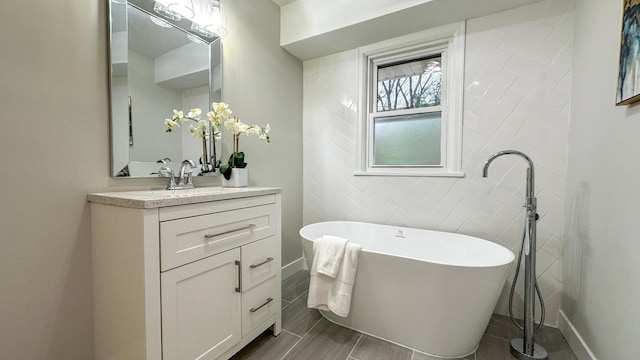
427	290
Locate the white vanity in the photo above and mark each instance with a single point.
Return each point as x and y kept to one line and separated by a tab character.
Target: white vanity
187	274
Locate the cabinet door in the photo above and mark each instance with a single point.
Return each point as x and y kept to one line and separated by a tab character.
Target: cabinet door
201	308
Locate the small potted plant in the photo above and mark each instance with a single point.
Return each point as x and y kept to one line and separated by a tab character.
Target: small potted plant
235	172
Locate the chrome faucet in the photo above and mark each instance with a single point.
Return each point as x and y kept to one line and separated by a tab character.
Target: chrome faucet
167	172
184	180
530	196
526	347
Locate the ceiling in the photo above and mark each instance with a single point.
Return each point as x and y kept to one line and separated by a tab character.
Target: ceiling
314	28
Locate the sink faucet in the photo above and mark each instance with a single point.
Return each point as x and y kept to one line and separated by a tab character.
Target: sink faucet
188	182
166	171
184	180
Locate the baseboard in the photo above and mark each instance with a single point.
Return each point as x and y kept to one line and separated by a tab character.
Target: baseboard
293	267
575	341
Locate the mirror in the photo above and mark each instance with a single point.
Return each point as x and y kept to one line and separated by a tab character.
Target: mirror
158	65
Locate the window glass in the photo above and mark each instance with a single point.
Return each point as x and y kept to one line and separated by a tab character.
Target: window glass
408	85
407	140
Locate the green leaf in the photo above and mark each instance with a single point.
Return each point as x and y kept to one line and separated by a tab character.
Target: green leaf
225	170
235	160
238	160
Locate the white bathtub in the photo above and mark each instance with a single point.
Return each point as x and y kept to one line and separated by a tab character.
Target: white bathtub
427	290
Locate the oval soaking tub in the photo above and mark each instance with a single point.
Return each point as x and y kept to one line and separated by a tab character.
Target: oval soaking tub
427	290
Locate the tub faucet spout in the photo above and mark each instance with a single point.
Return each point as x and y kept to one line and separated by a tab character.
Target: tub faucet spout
530	196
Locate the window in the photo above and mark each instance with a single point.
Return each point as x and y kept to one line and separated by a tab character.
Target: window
411	105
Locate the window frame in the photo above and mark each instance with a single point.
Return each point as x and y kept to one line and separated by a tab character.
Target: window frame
447	42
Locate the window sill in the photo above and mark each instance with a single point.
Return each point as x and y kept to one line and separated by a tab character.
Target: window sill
453	174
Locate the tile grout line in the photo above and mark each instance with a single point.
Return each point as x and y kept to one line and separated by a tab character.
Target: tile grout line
311	328
354	347
299	340
293	347
295	299
305	293
289	332
287	305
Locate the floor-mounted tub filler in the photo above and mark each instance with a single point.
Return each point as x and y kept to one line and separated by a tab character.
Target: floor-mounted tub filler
430	291
525	348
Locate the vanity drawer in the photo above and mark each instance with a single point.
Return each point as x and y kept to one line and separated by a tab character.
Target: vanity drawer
189	239
260	261
259	304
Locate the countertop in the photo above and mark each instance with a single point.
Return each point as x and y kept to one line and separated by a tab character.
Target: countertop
150	199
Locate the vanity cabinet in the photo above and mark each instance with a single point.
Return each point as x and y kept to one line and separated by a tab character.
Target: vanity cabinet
185	277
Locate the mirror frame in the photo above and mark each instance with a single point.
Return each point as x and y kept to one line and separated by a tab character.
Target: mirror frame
183	25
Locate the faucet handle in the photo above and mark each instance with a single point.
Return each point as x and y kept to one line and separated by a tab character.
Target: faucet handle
166	171
191	164
187	168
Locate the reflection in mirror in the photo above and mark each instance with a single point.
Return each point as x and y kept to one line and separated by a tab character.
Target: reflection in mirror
157	66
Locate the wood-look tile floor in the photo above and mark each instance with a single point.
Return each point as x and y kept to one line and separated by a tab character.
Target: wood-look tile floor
306	335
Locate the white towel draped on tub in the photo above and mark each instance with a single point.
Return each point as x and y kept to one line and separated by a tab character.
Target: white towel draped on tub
330	250
333	293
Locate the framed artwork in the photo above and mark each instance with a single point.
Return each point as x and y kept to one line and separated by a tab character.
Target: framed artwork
628	90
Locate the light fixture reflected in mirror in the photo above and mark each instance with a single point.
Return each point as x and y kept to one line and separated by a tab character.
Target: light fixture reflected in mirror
207	16
195	39
164	11
184	8
159	22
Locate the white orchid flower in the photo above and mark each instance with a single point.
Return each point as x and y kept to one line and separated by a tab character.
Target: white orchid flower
265	134
194	113
170	123
178	115
244	128
215	119
196	132
221	109
235	125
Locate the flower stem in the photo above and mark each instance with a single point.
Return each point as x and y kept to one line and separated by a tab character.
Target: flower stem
205	162
236	140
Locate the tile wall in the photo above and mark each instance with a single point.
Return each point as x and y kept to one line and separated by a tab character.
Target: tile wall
517	96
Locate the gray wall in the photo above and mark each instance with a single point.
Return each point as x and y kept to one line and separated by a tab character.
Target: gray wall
262	83
601	287
55	149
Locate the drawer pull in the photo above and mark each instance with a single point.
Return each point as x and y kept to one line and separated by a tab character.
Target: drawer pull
209	236
269	259
238	289
260	307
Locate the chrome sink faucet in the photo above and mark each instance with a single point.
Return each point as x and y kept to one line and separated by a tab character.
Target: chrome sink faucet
184	180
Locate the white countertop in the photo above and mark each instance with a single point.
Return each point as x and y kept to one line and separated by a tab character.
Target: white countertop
150	199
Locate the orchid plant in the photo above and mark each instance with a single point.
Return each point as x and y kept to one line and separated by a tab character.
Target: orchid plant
237	128
203	129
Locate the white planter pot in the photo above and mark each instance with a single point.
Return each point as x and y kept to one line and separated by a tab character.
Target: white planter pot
239	178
